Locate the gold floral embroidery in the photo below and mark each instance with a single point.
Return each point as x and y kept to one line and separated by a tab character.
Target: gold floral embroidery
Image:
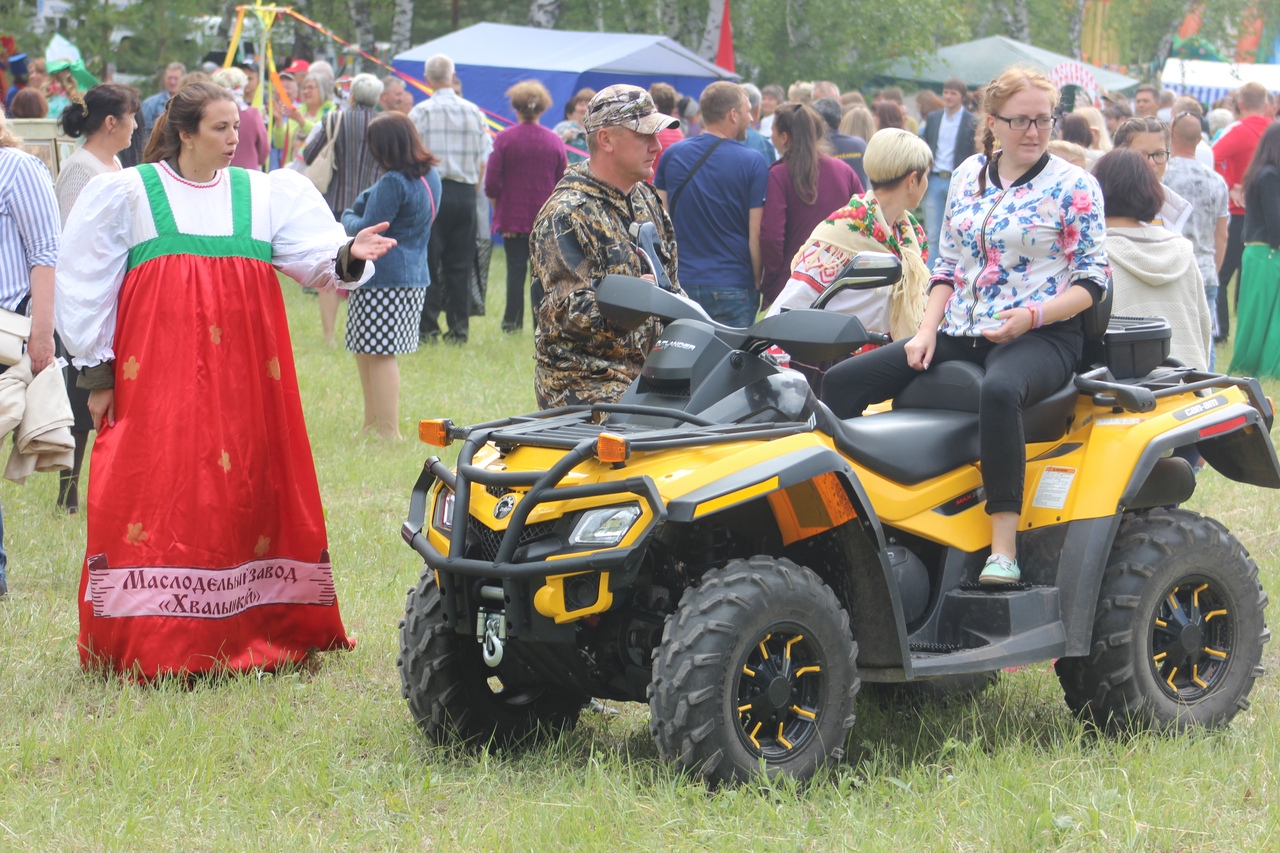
136	534
225	462
130	368
264	542
215	334
273	368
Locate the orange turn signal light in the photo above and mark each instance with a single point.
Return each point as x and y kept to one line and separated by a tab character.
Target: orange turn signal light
612	448
435	432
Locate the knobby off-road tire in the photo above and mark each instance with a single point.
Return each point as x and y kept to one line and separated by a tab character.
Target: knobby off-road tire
449	688
757	668
1179	631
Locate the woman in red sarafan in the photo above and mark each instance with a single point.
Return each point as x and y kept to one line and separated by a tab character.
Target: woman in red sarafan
206	538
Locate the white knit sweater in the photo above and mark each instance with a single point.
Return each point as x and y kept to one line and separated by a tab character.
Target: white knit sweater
1154	274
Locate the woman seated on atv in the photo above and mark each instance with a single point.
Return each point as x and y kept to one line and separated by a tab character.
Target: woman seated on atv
897	164
1022	228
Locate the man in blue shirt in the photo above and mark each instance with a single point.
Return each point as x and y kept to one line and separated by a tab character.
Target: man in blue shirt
154	105
756	140
713	187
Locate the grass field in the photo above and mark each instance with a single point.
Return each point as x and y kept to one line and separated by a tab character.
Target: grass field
328	758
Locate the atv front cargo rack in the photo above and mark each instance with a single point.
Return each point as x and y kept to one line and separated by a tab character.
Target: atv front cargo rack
576	429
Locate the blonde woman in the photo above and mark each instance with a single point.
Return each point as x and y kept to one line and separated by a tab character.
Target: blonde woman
997	299
879	220
859	122
1101	143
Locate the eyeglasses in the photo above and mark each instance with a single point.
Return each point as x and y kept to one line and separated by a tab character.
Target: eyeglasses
1022	122
1157	156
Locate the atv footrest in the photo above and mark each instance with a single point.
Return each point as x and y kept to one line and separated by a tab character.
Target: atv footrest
977	617
934	648
975	586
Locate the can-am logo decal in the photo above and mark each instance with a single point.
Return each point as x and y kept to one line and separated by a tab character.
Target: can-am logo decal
504	506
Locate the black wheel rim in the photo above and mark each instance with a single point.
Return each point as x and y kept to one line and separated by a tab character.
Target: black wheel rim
780	683
1191	639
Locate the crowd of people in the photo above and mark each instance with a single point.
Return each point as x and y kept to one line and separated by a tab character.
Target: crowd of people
1011	217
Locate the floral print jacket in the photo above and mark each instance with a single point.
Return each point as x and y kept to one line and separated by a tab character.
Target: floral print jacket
1009	247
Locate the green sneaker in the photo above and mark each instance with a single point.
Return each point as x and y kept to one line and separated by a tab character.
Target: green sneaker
999	570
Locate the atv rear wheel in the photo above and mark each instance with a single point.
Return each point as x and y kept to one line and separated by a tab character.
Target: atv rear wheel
1179	630
757	670
454	695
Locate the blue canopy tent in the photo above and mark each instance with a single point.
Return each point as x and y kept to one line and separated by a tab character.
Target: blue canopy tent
491	57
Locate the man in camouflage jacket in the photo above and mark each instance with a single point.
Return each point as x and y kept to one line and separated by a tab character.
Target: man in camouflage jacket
582	234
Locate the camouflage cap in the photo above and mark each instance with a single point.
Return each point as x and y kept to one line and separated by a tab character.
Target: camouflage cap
626	106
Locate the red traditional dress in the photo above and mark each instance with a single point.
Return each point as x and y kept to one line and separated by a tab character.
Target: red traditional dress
206	537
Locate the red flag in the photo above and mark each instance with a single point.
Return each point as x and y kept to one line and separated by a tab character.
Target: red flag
724	52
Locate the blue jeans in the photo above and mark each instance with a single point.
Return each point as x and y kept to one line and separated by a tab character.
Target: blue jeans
935	206
733	306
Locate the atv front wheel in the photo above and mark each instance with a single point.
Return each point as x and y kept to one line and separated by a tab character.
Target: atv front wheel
1179	630
453	694
757	670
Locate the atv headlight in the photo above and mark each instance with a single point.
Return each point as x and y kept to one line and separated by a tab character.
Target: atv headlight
444	511
604	527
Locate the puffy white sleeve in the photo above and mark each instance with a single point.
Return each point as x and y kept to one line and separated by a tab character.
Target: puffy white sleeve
305	238
91	268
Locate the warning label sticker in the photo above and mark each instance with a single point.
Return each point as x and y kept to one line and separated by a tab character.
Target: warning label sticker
1119	421
1055	485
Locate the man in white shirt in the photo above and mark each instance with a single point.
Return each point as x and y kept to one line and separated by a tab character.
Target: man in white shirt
1206	190
950	134
454	130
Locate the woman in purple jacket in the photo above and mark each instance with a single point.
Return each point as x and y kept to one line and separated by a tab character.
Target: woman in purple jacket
805	186
527	162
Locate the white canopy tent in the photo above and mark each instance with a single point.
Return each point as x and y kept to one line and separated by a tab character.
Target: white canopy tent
1207	81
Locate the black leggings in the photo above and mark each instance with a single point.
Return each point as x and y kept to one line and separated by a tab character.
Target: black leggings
516	247
1230	266
1019	374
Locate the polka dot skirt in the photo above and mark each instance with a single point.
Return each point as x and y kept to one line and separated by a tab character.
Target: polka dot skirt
384	320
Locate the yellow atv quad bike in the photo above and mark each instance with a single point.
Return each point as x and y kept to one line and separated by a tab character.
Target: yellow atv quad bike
718	544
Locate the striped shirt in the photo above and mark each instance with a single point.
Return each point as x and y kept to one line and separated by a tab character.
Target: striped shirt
355	170
454	130
30	227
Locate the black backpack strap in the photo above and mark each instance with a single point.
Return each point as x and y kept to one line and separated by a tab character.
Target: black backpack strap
675	196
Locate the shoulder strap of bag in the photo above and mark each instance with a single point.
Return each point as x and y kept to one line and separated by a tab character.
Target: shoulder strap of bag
675	196
430	197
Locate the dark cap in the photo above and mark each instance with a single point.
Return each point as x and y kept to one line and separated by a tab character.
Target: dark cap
626	106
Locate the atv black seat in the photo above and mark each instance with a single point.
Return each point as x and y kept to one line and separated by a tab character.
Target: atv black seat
909	446
933	427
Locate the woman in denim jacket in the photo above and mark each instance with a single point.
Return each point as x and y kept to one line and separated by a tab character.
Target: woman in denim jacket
1021	255
382	319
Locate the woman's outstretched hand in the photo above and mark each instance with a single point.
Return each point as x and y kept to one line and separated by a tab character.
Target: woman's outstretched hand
369	244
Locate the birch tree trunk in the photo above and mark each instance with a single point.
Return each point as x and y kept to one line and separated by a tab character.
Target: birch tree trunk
401	27
711	32
799	34
1075	26
1016	23
544	13
360	17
